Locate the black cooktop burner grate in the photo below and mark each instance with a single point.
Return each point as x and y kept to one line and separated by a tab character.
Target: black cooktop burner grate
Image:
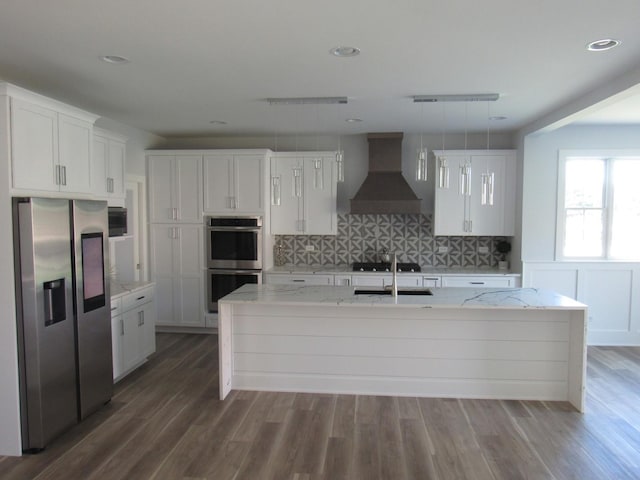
384	267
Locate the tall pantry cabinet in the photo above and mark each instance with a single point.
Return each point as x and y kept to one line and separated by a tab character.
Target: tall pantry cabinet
177	237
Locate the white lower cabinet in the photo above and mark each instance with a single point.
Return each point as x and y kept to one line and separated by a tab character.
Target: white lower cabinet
133	330
177	269
487	281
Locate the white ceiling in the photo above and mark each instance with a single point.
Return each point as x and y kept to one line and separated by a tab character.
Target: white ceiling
195	61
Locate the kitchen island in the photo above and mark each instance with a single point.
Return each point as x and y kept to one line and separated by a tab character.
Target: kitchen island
525	344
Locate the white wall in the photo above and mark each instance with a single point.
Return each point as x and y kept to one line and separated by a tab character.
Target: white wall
9	391
540	177
356	154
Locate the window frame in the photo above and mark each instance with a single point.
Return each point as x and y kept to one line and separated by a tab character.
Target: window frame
601	154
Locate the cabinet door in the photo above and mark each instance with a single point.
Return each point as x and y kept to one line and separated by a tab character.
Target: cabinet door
188	188
34	147
249	183
161	194
117	332
99	166
287	216
162	270
487	202
450	201
147	330
189	275
75	139
116	168
131	354
219	179
319	196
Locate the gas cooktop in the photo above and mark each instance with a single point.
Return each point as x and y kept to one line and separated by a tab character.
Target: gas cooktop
384	267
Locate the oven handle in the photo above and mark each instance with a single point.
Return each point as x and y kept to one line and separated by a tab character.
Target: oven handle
214	271
234	229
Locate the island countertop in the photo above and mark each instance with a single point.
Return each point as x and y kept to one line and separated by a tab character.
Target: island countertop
497	298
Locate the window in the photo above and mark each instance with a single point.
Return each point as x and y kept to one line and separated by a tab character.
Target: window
598	206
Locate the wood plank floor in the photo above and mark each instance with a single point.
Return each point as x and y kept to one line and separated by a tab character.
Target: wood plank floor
166	422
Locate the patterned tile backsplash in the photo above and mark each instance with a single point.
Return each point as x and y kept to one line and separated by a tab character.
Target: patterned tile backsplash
362	237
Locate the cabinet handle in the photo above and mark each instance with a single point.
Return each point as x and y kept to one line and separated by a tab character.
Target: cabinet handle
121	327
140	298
57	174
141	318
64	175
476	283
298	280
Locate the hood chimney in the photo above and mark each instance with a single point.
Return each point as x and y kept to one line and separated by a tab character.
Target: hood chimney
385	190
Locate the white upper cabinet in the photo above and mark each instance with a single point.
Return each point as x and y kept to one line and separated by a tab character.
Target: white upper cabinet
51	144
474	193
175	188
234	183
303	193
108	166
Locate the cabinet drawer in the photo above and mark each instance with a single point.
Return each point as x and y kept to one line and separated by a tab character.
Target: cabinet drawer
137	298
116	307
300	279
431	281
478	282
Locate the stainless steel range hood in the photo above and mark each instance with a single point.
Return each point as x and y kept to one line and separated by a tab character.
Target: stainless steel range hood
385	190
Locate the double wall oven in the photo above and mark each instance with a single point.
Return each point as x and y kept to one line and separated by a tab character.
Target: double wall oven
234	255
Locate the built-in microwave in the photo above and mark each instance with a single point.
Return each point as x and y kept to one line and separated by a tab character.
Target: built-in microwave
117	221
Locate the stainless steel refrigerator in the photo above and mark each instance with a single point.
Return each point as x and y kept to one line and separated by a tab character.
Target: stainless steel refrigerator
64	323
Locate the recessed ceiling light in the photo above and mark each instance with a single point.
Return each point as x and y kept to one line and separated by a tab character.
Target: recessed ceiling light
345	51
116	59
497	118
353	120
217	122
602	45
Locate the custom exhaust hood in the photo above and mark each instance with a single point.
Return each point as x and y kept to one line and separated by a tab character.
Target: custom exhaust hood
385	190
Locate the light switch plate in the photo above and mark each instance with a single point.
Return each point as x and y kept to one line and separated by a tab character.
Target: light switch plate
483	249
309	248
443	249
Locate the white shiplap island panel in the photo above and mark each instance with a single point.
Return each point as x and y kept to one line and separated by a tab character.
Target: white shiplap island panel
460	342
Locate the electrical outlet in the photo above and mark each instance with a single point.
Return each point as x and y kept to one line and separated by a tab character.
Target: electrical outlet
309	248
443	249
483	249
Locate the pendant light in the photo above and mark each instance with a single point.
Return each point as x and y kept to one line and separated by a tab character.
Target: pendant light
443	164
421	163
340	162
276	193
487	178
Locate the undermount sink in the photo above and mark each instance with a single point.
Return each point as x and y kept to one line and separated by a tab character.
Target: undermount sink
403	291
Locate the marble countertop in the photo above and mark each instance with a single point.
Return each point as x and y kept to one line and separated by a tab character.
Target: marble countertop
346	269
118	289
511	298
